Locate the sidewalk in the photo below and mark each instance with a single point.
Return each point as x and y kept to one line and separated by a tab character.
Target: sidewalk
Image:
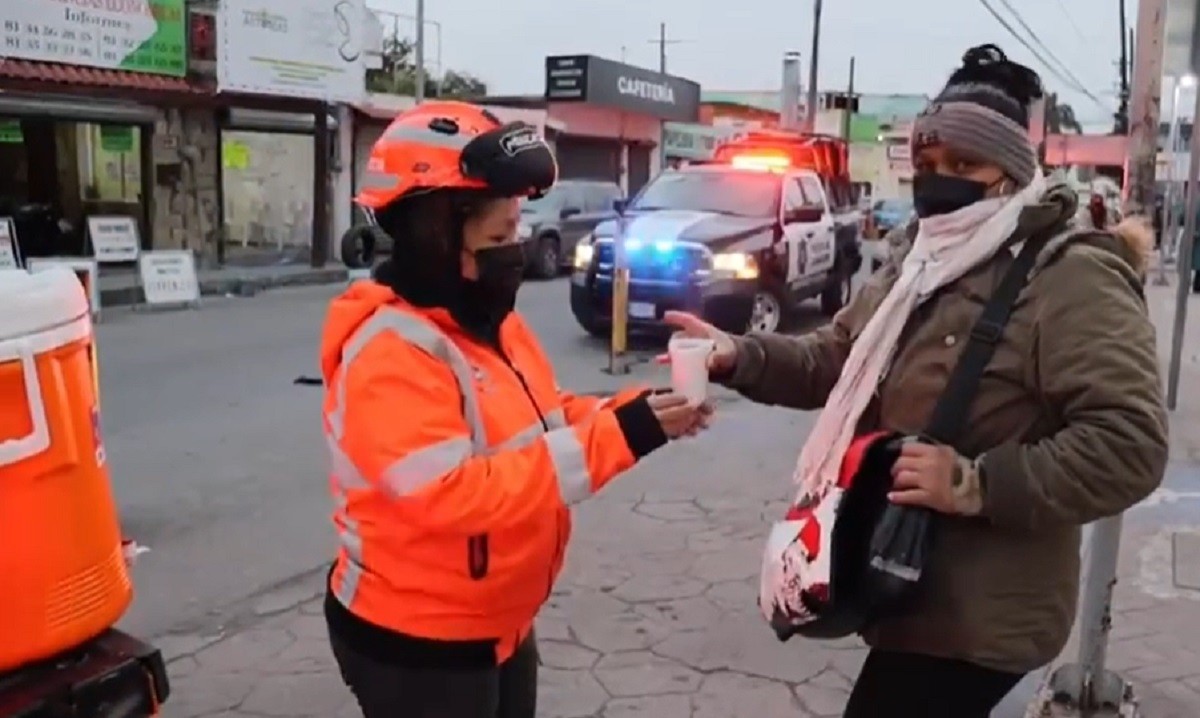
655	615
119	285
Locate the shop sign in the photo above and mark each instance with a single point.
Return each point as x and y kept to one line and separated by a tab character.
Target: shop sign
309	49
168	276
134	35
114	238
10	250
586	78
116	139
899	152
10	132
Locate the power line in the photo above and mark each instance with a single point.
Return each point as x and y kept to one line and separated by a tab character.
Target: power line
1071	20
1049	53
1067	79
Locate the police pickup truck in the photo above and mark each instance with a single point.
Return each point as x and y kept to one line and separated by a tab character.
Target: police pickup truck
738	242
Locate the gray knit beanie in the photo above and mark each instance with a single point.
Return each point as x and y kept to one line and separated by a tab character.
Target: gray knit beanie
983	112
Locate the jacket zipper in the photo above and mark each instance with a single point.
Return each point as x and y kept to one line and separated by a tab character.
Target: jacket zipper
545	427
525	386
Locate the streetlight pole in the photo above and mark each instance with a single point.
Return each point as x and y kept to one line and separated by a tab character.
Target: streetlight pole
810	117
420	50
1183	263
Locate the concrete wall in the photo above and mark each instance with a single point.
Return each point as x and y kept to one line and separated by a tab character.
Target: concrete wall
186	214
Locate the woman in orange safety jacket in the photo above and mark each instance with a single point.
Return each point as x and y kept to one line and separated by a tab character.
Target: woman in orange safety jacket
454	453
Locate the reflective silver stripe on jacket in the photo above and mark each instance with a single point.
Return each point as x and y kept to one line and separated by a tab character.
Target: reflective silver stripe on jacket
419	468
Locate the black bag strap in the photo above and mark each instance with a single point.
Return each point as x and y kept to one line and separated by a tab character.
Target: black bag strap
950	413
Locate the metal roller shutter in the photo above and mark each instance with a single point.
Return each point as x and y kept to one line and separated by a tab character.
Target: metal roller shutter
639	167
588	158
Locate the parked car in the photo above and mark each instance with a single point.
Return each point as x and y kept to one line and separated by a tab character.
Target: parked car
887	213
551	225
735	243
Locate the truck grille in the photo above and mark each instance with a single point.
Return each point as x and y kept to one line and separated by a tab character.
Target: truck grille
648	263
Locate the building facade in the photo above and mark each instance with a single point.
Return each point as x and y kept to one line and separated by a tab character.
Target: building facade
104	119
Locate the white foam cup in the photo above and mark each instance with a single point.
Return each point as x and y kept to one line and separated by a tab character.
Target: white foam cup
689	367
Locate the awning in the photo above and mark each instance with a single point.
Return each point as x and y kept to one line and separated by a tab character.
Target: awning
63	107
248	120
53	72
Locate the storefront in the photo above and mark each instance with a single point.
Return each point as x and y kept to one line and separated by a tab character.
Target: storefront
280	72
79	126
612	117
268	165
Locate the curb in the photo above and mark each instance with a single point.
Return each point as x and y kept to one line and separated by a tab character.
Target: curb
241	286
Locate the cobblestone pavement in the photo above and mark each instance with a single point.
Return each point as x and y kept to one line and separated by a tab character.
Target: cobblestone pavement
655	613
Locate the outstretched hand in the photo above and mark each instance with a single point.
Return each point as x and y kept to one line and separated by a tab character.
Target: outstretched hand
677	417
724	353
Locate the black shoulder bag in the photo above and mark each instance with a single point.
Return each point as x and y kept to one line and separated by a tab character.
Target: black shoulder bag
902	539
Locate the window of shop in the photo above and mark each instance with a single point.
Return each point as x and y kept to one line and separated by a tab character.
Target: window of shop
268	160
57	173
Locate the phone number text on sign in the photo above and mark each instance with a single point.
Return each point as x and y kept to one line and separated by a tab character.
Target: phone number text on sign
169	277
136	35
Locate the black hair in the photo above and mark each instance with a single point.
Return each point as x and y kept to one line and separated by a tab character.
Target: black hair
430	223
426	232
989	78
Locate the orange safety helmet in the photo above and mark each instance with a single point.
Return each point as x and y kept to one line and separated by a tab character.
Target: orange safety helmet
455	145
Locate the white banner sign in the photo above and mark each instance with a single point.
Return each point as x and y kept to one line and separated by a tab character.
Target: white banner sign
10	254
114	239
899	152
169	277
310	49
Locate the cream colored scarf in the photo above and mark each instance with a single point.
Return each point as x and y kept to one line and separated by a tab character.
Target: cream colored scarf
946	247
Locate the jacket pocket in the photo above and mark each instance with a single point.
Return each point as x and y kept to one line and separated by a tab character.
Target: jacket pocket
477	556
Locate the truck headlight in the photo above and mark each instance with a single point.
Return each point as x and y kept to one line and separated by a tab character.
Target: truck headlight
584	251
524	231
738	265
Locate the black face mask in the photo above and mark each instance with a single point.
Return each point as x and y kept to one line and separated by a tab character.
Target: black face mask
937	194
501	270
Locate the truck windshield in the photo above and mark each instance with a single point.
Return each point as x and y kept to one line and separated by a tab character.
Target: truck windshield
742	194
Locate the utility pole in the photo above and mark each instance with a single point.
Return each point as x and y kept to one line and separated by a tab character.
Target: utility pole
810	117
420	51
1087	686
1145	101
662	43
848	113
1122	118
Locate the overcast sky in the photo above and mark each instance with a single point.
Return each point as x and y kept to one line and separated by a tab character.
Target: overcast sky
900	45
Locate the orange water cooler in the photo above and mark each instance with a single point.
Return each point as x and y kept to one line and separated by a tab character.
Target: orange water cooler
63	578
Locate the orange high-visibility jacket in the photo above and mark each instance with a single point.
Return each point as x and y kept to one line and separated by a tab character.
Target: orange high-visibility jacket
452	468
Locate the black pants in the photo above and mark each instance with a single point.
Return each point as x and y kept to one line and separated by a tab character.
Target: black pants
904	684
386	691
